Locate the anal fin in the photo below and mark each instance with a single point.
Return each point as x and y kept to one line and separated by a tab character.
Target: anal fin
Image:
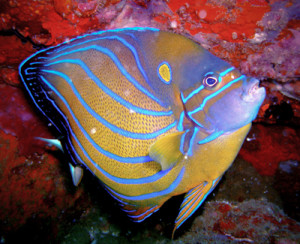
193	200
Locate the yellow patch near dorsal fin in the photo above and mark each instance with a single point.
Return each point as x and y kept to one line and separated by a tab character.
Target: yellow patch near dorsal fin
166	150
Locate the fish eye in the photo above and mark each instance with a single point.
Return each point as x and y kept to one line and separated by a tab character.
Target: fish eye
210	81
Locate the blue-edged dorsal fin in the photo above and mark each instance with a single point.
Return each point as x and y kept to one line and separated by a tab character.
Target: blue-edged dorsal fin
77	173
52	142
166	150
192	201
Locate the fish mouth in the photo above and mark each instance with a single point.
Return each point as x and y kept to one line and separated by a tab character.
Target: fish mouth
253	91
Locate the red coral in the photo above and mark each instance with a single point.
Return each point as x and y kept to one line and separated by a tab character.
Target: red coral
247	222
18	119
28	187
267	146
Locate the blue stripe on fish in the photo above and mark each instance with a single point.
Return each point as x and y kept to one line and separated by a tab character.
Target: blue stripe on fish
124	42
119	180
190	150
141	136
194	92
109	92
225	72
166	191
180	122
117	62
108	154
145	215
182	140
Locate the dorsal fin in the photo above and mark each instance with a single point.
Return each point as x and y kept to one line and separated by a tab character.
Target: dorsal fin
193	200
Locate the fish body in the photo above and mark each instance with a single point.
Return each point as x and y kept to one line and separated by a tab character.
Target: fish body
150	113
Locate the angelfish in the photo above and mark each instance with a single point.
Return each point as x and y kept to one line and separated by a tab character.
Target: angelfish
151	113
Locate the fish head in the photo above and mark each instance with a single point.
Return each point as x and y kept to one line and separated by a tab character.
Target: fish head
224	101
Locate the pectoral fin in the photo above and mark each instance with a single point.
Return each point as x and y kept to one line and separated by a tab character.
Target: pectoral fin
193	200
166	150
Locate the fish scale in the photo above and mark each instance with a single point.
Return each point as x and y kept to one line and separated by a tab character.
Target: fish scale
150	113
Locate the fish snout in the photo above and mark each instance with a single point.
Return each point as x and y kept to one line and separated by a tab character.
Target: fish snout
252	92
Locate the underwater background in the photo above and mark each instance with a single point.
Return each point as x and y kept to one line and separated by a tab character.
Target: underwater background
257	201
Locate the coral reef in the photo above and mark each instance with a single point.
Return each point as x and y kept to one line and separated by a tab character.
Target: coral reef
259	37
253	221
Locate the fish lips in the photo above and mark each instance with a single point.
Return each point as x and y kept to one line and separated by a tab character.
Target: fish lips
252	93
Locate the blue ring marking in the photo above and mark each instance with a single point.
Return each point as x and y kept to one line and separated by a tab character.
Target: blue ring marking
199	204
142	197
95	145
160	77
117	62
190	153
214	94
124	42
110	92
194	92
148	179
180	122
112	127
